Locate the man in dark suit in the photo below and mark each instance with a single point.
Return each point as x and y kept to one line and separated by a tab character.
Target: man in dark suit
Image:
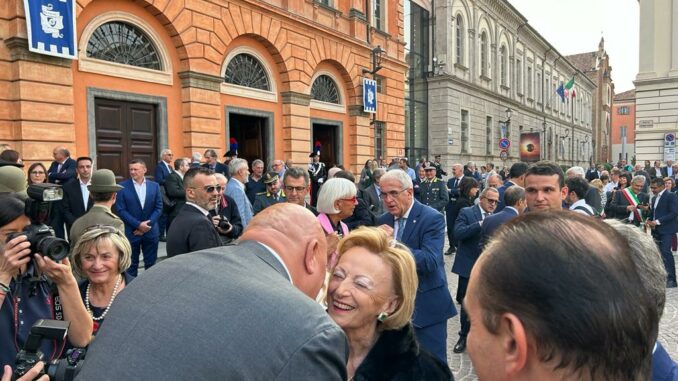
631	204
664	223
139	204
593	173
241	303
467	229
515	206
422	229
60	172
453	189
76	201
592	195
212	162
516	177
297	185
192	229
174	186
371	193
162	170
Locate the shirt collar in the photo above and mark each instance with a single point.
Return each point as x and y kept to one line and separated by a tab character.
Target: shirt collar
581	202
407	214
84	184
143	182
512	208
200	208
279	260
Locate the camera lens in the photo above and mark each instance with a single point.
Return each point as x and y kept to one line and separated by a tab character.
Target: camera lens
53	247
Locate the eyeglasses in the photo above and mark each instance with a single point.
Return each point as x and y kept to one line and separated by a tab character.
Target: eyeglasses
353	199
37	172
210	188
289	189
491	201
392	194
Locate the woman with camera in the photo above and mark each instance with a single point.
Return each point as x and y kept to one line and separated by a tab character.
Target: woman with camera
101	256
33	287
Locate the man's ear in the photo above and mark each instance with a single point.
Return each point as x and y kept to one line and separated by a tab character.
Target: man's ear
514	343
312	257
564	192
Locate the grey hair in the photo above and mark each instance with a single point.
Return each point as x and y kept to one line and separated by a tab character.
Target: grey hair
297	173
638	179
647	259
257	162
210	153
578	171
197	156
236	165
334	189
513	194
487	190
220	176
164	152
400	176
379	172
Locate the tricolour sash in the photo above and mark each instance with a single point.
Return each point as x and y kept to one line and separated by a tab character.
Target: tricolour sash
632	200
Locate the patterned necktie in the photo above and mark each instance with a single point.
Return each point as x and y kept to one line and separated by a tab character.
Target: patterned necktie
401	228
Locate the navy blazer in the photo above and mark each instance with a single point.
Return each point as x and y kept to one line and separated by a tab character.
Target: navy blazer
161	172
131	211
663	367
219	168
501	190
71	205
67	172
666	213
493	222
467	232
424	234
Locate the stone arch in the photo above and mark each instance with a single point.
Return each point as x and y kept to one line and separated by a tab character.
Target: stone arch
461	9
324	50
273	64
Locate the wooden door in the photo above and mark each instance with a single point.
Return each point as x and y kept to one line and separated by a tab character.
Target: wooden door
326	134
125	131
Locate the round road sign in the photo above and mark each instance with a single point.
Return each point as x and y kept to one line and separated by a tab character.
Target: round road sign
503	155
504	143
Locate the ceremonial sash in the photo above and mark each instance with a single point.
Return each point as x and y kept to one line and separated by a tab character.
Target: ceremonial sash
632	200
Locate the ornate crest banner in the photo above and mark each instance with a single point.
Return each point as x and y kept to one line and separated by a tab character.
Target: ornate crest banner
51	27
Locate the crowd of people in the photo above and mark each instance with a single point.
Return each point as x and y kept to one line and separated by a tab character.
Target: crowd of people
291	272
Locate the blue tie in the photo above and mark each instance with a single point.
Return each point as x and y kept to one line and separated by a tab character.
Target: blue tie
401	228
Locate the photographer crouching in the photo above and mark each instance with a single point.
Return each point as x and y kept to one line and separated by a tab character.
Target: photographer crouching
36	281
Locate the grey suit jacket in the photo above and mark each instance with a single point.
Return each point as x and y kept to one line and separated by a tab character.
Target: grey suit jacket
373	201
228	313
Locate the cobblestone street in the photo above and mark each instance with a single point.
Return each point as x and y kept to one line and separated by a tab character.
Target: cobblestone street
461	363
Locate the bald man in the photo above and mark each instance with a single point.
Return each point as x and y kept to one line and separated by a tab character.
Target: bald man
240	312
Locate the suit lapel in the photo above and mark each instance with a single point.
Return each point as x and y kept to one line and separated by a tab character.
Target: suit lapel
411	222
477	213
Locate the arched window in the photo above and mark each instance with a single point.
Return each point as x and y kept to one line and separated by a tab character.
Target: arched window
245	70
504	64
123	43
483	53
460	40
325	90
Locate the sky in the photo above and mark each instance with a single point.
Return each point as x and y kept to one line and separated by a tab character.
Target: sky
576	26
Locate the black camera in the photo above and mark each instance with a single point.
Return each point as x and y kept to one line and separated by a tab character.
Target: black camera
41	237
64	369
224	223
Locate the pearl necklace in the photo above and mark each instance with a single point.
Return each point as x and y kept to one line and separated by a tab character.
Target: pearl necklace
110	302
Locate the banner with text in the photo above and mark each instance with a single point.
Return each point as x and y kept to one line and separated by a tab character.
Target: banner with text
369	95
530	147
51	27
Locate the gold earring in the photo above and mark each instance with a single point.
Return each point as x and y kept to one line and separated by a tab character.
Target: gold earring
382	316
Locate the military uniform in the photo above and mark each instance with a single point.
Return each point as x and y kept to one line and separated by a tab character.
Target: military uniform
434	194
98	215
264	200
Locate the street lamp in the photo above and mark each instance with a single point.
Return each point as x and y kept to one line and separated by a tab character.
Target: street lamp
377	54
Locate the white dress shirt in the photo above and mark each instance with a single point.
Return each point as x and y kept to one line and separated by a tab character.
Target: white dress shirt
85	193
141	191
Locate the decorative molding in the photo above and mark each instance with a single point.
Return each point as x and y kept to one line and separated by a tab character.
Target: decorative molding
18	50
200	80
248	92
114	69
295	98
325	106
356	110
357	14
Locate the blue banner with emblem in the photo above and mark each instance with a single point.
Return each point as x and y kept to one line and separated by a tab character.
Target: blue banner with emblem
51	27
369	95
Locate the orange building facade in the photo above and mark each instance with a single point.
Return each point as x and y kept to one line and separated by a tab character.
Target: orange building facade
189	75
624	126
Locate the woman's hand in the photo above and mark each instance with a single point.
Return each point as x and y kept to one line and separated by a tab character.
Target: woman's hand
16	254
60	273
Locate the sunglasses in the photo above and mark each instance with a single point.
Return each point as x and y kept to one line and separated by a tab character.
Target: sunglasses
353	199
491	201
212	188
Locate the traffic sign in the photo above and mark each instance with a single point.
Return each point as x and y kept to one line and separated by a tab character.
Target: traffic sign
503	155
504	144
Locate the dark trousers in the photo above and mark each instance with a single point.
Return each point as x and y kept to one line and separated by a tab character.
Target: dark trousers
162	223
664	243
434	339
56	220
463	316
146	244
450	223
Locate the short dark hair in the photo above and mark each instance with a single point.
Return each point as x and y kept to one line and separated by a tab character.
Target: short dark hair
297	173
83	158
137	161
604	177
596	317
12	208
578	185
10	155
193	172
345	175
466	184
518	169
178	162
101	196
659	181
546	168
513	194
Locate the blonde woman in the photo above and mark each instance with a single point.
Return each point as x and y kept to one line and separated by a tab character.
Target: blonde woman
371	297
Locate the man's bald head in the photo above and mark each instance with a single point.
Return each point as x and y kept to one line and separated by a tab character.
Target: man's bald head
296	236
